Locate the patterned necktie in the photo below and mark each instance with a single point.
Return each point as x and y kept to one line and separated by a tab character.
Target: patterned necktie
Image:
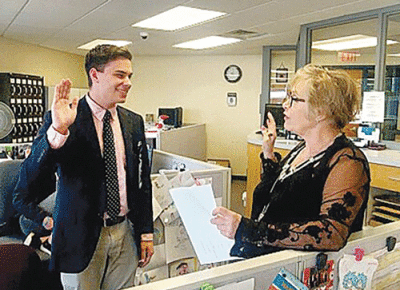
110	164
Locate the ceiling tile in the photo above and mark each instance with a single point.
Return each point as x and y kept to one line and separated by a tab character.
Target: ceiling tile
118	14
66	24
54	13
9	9
227	6
29	34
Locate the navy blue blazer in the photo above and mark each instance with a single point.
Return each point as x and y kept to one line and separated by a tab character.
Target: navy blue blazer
81	194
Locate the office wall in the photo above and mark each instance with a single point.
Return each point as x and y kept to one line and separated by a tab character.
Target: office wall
194	82
197	84
53	65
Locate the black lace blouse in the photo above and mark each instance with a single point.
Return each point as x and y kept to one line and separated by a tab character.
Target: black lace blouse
313	206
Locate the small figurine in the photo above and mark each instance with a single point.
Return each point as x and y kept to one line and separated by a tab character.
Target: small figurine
161	119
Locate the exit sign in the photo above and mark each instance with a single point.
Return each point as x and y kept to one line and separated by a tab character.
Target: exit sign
348	56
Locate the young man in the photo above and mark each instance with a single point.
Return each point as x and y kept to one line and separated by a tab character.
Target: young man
103	211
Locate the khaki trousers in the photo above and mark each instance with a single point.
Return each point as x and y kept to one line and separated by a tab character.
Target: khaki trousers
113	264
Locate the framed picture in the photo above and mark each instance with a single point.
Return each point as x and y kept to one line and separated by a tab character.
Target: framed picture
149	118
282	74
182	267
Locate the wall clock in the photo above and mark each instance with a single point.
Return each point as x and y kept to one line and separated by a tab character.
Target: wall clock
233	73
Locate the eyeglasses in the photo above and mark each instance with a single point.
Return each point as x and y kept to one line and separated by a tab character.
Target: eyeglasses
290	97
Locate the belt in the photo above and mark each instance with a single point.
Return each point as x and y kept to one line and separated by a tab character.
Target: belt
113	222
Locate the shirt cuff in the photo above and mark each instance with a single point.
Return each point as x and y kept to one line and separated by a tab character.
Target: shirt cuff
56	139
147	237
269	163
251	231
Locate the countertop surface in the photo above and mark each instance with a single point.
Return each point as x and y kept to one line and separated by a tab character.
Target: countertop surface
389	157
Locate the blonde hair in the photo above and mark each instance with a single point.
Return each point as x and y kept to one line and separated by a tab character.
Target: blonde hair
332	92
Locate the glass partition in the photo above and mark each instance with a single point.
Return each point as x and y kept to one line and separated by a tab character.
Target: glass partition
365	44
350	44
282	70
373	60
350	47
391	126
279	63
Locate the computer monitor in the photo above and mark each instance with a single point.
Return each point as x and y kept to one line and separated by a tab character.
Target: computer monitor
276	111
174	114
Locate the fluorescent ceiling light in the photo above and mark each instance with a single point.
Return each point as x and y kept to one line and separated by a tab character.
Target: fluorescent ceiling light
94	43
347	42
178	18
394	55
207	42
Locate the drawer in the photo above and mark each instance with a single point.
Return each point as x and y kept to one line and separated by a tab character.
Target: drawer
385	177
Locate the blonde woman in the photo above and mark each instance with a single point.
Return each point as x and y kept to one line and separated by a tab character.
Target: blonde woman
316	196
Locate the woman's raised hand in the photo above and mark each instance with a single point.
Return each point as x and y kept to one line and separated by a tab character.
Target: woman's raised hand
269	137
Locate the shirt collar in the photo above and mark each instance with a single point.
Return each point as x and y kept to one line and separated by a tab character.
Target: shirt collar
98	111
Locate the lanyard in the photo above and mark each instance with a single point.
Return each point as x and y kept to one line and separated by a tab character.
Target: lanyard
287	171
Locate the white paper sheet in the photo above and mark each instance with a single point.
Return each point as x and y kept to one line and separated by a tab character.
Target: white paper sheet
177	243
156	209
169	215
373	107
161	185
195	205
184	179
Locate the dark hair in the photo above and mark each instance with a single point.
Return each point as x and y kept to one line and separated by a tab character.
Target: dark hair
102	54
182	264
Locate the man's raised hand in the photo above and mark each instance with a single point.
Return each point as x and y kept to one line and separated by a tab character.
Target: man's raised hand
63	110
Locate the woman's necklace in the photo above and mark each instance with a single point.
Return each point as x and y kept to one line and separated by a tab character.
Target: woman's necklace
306	153
302	158
288	170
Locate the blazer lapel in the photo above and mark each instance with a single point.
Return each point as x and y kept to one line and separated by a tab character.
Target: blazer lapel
126	128
86	126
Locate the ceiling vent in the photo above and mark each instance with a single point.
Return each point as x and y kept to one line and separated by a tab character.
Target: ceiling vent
244	34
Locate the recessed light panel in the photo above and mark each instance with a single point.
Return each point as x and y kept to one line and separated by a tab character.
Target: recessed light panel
178	18
207	42
347	42
94	43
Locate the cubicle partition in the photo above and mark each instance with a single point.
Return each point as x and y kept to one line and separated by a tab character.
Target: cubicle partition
264	269
221	176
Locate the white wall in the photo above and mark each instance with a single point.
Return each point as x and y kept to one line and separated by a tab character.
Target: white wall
197	84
